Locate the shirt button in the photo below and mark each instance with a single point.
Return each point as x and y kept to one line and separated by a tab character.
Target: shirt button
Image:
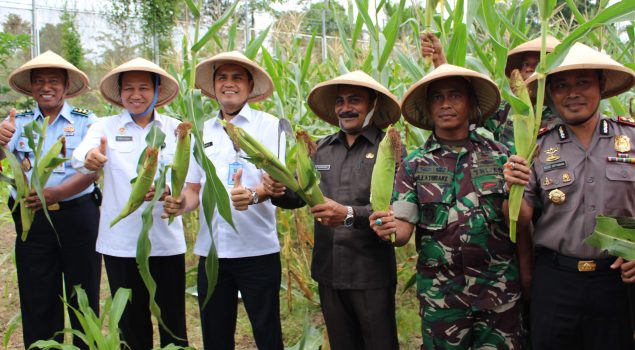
590	179
624	173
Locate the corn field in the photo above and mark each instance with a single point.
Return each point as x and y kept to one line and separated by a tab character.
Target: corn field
474	34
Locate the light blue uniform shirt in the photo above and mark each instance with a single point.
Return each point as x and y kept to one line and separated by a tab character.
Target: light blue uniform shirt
72	123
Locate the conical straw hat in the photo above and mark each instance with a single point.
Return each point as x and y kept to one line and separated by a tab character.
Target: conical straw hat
322	99
263	85
109	85
617	78
414	103
515	55
20	79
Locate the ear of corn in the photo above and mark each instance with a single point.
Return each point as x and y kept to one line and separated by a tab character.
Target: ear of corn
181	160
615	235
51	160
308	176
22	191
149	161
383	177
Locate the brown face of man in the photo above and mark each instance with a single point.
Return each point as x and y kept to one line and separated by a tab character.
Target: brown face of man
528	64
449	105
232	86
352	105
48	88
137	91
576	94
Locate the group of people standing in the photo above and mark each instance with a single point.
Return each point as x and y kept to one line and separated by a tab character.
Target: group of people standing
451	192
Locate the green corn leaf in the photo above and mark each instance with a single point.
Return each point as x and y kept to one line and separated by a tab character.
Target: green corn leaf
193	8
252	49
12	325
618	107
308	176
231	36
458	47
144	247
181	162
615	235
345	44
306	61
362	6
411	282
391	32
117	307
214	28
357	31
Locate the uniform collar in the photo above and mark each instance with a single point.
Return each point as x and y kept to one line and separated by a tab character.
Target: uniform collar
65	113
371	134
432	144
246	114
603	129
125	118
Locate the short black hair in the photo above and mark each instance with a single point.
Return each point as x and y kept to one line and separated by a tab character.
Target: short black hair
153	76
249	76
64	73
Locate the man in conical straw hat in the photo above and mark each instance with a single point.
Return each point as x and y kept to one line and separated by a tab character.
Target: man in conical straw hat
451	190
525	58
584	169
249	256
115	144
42	260
355	271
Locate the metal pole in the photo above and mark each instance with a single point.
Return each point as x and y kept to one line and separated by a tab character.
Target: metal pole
35	35
324	47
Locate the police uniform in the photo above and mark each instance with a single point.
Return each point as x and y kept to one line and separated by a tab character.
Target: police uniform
467	272
578	301
68	249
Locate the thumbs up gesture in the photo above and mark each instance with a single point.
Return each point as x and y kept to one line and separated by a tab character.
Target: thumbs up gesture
7	128
241	196
96	157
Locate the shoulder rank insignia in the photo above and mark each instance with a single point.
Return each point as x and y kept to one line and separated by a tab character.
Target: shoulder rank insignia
543	131
81	111
563	134
626	120
604	127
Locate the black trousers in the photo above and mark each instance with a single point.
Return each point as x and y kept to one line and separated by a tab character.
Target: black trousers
360	319
258	280
136	324
42	262
578	310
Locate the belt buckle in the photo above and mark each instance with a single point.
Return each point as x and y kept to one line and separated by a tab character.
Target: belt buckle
586	265
53	207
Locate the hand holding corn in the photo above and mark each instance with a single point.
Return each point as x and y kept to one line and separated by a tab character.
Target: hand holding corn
384	224
627	267
7	128
516	171
273	188
173	206
96	157
330	213
431	49
240	195
148	197
51	195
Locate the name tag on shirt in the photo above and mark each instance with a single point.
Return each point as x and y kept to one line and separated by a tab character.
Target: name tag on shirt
233	168
323	167
123	138
124	143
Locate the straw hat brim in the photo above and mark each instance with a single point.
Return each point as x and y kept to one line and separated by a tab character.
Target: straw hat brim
263	84
20	78
322	97
109	85
515	55
414	104
617	78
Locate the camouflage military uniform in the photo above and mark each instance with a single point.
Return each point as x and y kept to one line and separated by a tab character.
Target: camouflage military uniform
502	126
467	274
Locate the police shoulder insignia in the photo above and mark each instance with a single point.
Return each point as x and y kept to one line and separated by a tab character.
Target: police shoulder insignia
626	120
543	131
82	112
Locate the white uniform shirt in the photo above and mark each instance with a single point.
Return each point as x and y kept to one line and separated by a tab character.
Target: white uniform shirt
255	232
125	143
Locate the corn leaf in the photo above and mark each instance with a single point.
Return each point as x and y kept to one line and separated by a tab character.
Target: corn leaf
308	176
383	176
181	160
615	235
391	32
252	49
214	28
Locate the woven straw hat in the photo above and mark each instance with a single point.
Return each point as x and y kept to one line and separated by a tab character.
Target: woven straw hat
414	103
322	99
263	85
617	78
109	85
20	79
515	55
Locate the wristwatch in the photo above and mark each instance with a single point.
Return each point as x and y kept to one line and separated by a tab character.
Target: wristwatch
350	218
254	196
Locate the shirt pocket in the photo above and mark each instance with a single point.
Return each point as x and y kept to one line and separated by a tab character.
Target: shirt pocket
434	204
488	184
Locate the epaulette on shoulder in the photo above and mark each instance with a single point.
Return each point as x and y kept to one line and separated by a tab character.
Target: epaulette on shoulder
544	131
24	114
81	112
626	120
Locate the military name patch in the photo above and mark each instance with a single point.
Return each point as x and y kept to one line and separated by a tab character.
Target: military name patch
555	165
437	178
486	170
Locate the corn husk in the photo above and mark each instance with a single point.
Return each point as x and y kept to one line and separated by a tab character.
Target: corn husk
614	234
181	160
147	169
383	177
308	176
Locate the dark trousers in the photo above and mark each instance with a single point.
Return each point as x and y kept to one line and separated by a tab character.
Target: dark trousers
360	319
42	262
578	310
258	280
136	324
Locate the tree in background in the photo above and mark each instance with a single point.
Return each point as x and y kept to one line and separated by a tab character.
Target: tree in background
70	40
313	18
51	38
19	30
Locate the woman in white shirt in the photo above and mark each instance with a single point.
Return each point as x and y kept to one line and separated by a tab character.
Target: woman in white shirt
115	144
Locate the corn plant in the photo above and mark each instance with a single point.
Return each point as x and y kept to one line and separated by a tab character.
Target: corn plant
616	235
181	160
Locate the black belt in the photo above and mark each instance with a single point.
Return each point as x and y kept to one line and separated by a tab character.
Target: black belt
576	264
71	203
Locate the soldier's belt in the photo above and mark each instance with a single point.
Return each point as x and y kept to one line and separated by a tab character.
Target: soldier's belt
575	264
70	204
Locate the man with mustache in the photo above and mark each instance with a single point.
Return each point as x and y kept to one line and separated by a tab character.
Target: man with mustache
584	169
450	190
355	270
